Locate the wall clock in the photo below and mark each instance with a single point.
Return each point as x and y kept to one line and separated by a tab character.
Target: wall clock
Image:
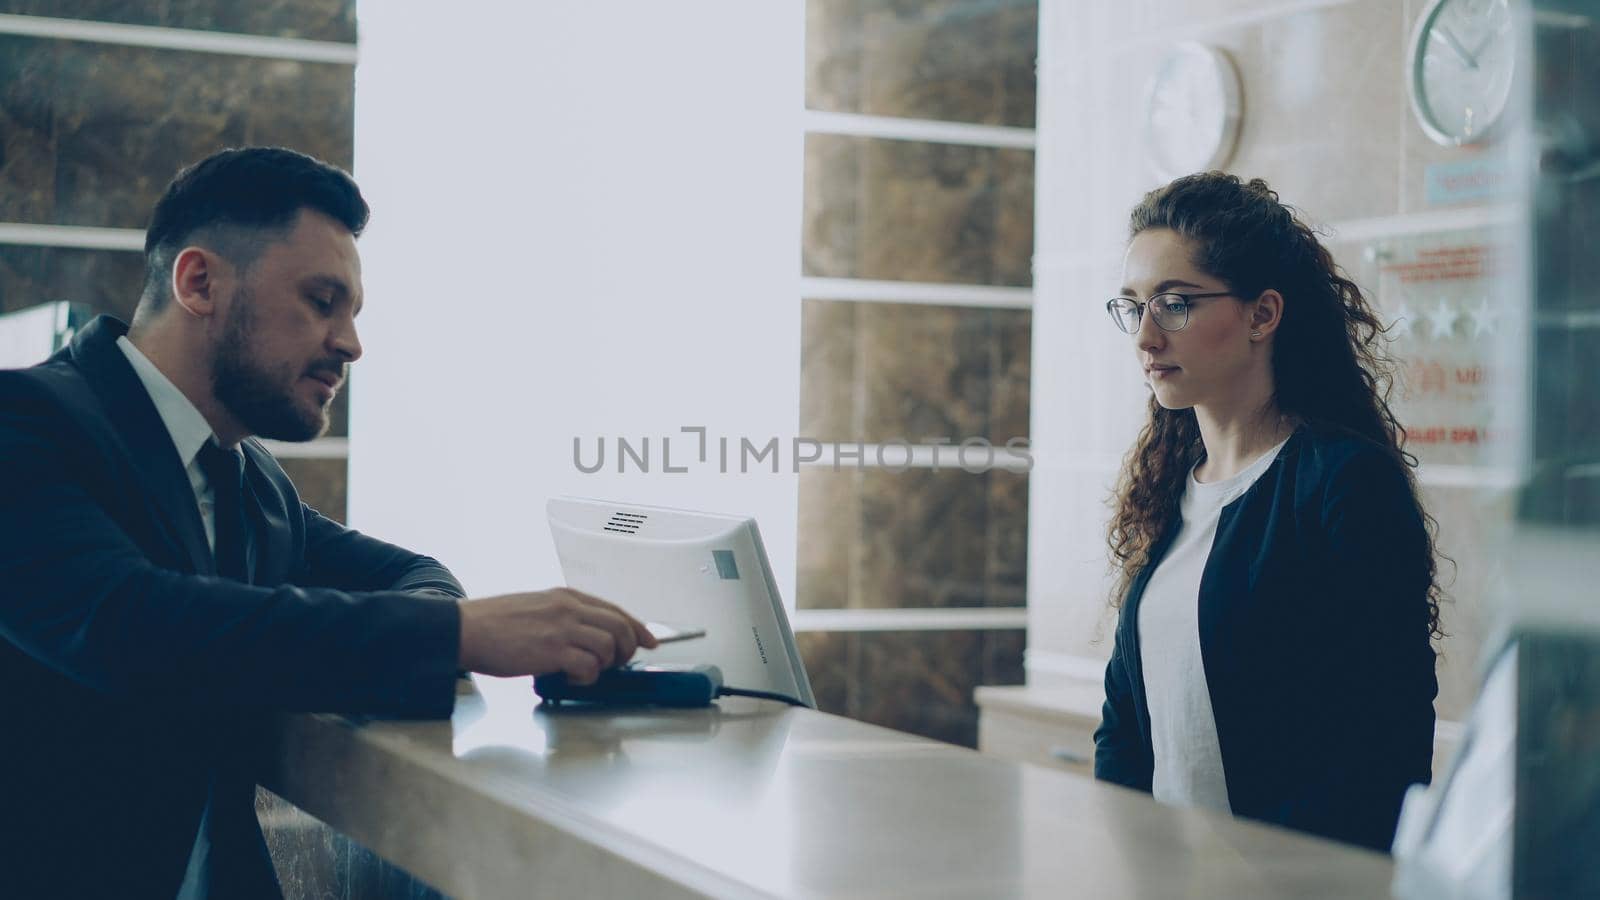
1191	111
1463	57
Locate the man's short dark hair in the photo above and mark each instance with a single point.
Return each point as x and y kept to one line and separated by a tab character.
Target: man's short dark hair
237	201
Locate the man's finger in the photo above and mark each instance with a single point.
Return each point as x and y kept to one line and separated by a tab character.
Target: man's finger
581	666
599	642
641	635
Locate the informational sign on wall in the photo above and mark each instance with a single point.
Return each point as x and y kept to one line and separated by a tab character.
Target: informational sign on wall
1443	295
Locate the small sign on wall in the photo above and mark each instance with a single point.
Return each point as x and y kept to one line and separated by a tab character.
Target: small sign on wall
1442	297
1471	180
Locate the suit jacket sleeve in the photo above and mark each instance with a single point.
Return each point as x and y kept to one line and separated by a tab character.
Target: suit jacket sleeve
1119	749
78	595
342	558
1376	566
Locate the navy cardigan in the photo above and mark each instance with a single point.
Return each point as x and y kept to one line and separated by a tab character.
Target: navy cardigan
1315	639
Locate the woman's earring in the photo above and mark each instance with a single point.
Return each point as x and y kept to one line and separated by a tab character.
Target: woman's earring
1255	334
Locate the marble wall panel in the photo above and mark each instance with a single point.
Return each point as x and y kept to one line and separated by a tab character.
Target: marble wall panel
1006	576
951	60
831	232
322	20
879	539
834	44
108	281
922	682
28	69
829	526
916	211
830	659
1010	374
925	372
1013	227
1003	657
879	372
923	539
307	106
829	385
127	118
20	271
323	484
919	682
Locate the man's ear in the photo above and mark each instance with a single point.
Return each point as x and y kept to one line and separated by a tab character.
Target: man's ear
1267	315
195	272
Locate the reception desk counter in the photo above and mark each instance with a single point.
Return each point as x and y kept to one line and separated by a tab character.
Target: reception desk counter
756	799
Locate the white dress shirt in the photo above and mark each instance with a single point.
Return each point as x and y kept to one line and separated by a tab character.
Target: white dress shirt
188	428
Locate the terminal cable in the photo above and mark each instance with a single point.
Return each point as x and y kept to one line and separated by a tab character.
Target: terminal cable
760	695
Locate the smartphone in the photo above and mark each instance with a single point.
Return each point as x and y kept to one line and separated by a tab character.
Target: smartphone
667	634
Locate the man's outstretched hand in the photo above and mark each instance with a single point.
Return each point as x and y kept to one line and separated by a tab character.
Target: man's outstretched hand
559	630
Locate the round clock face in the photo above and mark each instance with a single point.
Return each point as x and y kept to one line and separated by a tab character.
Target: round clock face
1191	111
1463	57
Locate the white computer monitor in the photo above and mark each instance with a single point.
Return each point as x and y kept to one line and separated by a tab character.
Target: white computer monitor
686	568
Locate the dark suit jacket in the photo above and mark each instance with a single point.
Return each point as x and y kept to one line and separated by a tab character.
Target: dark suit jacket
133	681
1314	636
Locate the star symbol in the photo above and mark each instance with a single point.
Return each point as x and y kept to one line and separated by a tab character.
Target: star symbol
1483	318
1401	326
1444	321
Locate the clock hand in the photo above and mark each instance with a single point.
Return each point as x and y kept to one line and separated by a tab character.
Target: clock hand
1455	45
1489	39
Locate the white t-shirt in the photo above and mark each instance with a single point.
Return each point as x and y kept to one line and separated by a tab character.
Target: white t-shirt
1183	730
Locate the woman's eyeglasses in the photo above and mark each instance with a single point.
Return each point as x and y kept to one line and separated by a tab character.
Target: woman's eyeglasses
1171	311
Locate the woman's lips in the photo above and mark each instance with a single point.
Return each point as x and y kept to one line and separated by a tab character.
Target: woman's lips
1159	372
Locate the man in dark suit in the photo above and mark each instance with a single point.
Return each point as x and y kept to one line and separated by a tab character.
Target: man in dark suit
162	587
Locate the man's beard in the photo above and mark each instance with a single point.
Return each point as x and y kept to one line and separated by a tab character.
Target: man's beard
260	398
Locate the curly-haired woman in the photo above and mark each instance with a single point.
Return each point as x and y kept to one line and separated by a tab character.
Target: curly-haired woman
1273	653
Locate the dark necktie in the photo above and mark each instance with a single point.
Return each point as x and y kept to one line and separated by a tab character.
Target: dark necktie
225	470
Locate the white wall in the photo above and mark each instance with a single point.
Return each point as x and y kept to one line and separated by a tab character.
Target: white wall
585	223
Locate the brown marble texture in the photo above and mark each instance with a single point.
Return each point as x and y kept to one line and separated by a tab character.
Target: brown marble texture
1010	373
829	529
915	681
1006	573
879	372
951	60
917	211
830	659
924	372
20	277
924	539
27	129
322	20
323	484
307	106
831	237
879	539
828	380
108	281
125	119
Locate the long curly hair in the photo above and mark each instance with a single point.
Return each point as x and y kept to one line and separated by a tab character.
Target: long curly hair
1329	364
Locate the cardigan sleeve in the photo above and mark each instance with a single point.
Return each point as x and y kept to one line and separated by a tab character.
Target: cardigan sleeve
1377	565
1120	753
